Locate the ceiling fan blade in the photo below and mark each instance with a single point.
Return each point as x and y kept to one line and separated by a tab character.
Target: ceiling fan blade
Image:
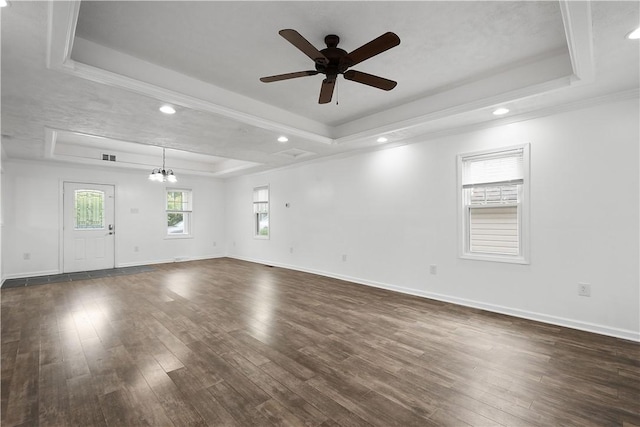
374	47
288	76
305	47
326	91
370	80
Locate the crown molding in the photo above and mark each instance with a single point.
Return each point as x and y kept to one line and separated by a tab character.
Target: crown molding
576	17
61	29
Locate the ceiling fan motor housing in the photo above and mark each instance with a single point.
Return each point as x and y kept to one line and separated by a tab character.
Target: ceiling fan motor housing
338	60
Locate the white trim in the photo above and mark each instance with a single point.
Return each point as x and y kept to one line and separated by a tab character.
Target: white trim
61	29
576	17
495	258
523	314
169	260
50	139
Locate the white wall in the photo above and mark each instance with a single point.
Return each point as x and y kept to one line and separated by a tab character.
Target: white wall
32	198
394	212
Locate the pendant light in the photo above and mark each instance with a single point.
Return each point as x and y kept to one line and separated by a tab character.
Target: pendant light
162	175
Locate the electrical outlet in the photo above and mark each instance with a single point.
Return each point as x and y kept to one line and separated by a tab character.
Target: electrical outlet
433	269
344	257
136	249
26	256
291	250
215	244
584	289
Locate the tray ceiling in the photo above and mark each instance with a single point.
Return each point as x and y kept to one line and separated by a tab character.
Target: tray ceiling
102	68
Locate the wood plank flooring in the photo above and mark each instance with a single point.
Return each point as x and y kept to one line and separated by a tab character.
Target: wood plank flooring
230	343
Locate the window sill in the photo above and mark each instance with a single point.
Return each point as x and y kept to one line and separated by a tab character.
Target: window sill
178	237
261	237
496	258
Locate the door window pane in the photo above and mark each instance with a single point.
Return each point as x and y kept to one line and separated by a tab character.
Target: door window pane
89	208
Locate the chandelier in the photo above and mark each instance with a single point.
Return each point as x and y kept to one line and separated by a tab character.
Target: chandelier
162	175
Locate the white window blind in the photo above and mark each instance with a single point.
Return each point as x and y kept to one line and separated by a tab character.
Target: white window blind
493	169
261	200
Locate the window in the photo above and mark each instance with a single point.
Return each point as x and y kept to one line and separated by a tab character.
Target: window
494	200
261	212
89	206
179	209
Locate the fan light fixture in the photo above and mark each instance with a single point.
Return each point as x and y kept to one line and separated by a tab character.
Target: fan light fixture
382	139
500	111
634	35
283	139
162	175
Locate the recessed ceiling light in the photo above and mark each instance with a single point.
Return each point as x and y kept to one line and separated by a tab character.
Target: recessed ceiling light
381	139
283	139
4	3
168	109
634	35
500	111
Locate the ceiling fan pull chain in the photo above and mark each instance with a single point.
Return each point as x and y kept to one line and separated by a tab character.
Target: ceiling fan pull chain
337	92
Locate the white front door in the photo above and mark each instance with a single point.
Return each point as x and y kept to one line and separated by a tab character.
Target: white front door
89	227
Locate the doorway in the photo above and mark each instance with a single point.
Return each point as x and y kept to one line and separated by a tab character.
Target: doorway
89	227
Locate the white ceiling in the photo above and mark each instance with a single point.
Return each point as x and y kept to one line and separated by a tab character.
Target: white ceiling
79	79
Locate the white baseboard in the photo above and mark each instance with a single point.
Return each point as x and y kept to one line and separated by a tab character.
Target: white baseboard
539	317
168	260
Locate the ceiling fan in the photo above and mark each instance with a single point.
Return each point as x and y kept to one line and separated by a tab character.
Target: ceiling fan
332	61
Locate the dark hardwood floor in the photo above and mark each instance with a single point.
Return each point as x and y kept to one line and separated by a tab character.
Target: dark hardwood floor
231	343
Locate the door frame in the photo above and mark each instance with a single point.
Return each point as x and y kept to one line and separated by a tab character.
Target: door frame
61	183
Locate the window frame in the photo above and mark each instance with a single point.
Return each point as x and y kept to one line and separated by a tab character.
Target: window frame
255	219
188	213
523	206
